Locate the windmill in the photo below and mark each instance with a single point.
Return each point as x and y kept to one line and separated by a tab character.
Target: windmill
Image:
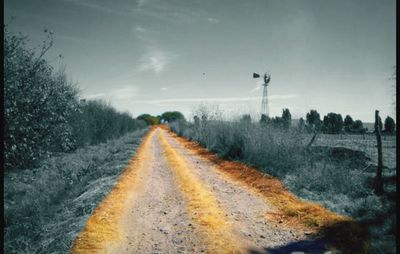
264	102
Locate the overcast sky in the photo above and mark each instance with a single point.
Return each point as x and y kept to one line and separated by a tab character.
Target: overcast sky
150	56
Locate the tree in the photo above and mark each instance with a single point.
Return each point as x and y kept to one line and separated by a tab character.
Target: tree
313	120
245	118
358	127
171	116
286	118
301	124
149	119
264	119
277	122
38	102
333	123
390	125
348	123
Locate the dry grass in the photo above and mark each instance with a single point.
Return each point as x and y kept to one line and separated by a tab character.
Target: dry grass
102	229
202	204
345	233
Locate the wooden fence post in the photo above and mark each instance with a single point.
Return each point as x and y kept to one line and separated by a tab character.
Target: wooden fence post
378	179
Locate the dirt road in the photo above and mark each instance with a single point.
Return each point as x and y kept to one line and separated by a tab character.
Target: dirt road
171	200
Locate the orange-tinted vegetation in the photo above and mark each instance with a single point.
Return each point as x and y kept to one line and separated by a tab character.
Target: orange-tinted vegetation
102	230
346	234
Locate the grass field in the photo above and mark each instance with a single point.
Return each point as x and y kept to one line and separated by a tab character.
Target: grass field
45	208
364	143
337	171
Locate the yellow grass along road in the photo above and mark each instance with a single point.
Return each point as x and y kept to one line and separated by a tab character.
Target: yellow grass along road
175	197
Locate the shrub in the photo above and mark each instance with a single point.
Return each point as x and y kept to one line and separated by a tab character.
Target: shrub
348	123
389	125
333	123
286	118
38	103
172	116
313	120
42	111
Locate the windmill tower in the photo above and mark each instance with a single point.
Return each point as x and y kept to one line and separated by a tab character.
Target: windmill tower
264	101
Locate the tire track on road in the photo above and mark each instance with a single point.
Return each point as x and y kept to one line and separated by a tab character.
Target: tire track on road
202	205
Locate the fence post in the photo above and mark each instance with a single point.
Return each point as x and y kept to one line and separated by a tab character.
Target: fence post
378	179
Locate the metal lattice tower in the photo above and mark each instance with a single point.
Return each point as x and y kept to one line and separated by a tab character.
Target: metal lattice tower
264	102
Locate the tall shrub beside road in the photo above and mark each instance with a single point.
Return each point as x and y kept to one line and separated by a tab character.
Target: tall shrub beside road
38	103
42	110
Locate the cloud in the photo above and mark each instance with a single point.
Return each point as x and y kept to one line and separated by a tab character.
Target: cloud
140	29
163	89
106	7
257	88
213	20
94	96
154	60
124	93
216	99
127	92
141	3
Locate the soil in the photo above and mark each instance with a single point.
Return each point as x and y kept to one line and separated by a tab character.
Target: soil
158	218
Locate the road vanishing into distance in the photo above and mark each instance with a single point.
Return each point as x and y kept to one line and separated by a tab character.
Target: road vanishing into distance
171	199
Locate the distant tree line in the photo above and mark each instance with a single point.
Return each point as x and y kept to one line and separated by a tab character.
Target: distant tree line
42	110
332	123
166	117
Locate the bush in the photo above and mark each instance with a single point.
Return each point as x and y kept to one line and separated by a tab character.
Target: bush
389	125
96	122
42	111
313	120
333	123
172	116
38	103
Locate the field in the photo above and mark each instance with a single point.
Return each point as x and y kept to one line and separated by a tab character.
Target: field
364	143
46	207
337	171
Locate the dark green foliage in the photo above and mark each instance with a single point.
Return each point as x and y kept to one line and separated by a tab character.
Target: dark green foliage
358	127
351	126
245	119
98	122
42	111
333	123
313	120
264	120
390	125
301	124
348	123
171	116
286	118
38	103
149	119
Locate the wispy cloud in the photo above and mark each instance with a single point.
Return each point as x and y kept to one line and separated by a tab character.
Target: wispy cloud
216	99
155	60
213	20
140	29
94	96
105	6
255	89
124	93
127	92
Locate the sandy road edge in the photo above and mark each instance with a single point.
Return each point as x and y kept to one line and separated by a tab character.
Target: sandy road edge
102	230
344	233
202	204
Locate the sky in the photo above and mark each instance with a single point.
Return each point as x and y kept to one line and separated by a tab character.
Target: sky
152	56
